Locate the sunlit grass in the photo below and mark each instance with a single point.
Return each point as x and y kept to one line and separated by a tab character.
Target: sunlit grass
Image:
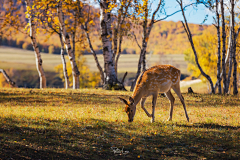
89	123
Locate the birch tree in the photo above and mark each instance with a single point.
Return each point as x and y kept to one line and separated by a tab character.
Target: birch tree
189	34
121	28
32	33
70	50
51	26
223	46
218	84
106	38
234	37
146	27
109	72
84	26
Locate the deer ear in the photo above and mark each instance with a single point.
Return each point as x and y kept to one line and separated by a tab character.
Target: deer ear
131	100
123	100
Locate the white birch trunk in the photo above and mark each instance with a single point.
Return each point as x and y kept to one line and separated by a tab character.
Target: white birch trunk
71	54
65	73
106	35
231	48
36	48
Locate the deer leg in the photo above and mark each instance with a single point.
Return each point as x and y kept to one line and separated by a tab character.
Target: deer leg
176	88
154	100
142	105
171	100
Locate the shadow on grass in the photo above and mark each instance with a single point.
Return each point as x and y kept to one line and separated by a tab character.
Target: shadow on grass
209	126
98	139
39	98
44	98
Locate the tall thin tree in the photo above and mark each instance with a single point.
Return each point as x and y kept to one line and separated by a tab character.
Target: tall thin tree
30	13
189	34
223	45
70	51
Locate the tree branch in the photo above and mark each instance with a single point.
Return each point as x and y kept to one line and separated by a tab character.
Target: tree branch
136	40
7	78
176	12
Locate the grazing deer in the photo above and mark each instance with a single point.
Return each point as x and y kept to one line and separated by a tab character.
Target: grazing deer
160	78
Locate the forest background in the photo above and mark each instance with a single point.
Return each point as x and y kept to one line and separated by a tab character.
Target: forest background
167	37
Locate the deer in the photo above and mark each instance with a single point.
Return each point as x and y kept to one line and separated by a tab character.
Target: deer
157	79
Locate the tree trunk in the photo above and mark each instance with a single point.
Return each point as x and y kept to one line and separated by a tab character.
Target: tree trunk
223	47
235	85
146	34
138	72
187	30
219	79
231	47
36	48
71	54
85	28
119	53
106	34
76	78
7	78
95	57
141	62
119	32
65	73
226	59
115	45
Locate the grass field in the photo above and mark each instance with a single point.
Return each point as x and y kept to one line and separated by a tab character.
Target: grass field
90	124
24	60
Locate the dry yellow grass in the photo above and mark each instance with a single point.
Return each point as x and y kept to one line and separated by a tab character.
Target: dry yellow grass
90	123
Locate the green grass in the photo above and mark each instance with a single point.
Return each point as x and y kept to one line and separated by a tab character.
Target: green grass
25	60
90	124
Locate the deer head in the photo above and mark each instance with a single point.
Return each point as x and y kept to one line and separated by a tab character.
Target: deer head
130	108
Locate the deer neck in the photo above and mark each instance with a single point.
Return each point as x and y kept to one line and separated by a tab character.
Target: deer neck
137	94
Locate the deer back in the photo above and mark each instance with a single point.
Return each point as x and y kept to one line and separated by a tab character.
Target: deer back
159	78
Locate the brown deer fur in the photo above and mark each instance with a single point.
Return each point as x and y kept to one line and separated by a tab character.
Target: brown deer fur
157	79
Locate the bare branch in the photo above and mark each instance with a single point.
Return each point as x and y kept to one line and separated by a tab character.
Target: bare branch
7	78
136	40
176	12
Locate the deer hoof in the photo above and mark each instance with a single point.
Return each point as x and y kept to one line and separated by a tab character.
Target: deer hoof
169	119
150	115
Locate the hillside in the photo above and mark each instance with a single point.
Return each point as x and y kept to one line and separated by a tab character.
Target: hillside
167	37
